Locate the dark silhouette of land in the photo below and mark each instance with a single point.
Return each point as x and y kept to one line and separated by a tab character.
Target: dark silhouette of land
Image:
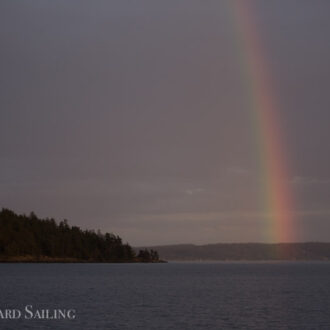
245	251
30	239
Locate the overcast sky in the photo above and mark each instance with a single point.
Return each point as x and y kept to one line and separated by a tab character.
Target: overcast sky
133	116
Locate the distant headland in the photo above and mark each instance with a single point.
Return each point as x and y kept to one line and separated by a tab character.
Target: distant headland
246	252
30	239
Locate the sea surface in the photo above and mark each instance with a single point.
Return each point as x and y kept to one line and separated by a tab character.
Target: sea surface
238	295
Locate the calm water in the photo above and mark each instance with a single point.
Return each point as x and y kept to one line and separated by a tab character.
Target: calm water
171	296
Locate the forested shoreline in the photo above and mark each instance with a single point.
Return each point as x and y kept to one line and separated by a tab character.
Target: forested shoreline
26	238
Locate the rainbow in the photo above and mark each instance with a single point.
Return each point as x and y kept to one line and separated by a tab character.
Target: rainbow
276	194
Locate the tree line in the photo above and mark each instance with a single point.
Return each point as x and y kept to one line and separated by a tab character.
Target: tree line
27	235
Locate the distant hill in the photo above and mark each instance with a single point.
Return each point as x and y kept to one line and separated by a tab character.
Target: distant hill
30	239
245	251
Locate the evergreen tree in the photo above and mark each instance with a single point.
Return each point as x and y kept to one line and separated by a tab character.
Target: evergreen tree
22	235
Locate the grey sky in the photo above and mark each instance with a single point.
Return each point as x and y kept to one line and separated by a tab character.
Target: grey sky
133	116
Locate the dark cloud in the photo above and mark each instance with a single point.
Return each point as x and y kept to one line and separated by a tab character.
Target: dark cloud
135	118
